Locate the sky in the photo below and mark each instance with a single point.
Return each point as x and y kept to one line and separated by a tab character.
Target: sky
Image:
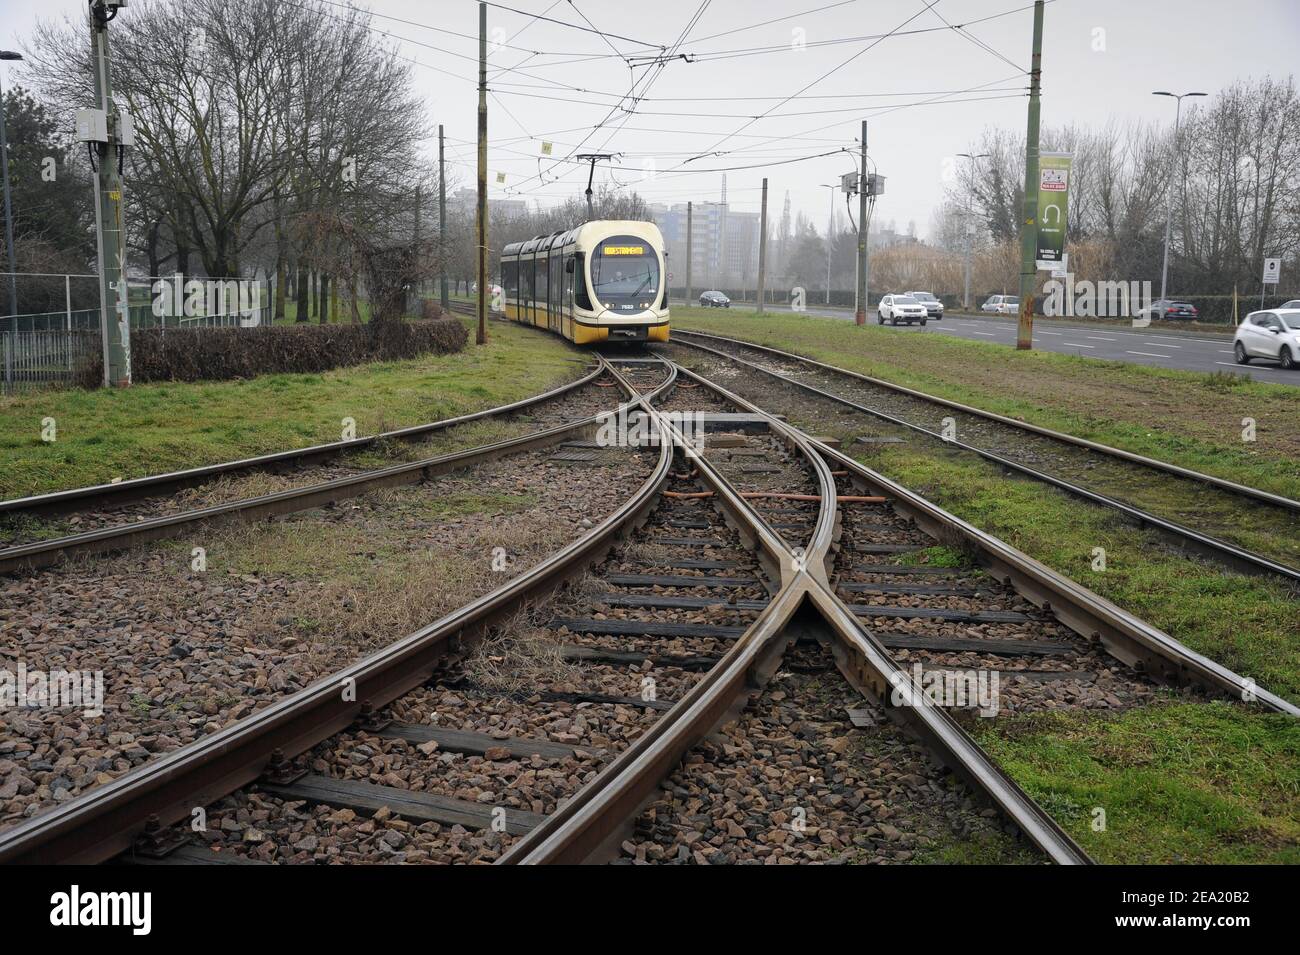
779	88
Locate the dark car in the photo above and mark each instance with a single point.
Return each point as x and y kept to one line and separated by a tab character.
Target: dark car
714	300
1168	309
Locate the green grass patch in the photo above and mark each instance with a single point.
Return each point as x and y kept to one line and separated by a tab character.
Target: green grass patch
148	429
1187	418
1180	783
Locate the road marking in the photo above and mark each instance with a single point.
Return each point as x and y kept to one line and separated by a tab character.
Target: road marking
989	334
1078	345
1225	351
1148	354
1100	338
1158	345
1057	334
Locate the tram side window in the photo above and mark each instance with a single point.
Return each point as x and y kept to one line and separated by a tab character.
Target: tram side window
580	297
557	301
510	279
541	283
526	280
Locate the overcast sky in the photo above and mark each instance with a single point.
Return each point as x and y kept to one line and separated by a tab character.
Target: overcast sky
1101	60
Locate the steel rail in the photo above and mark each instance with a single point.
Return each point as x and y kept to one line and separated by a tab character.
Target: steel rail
1125	636
593	818
1244	490
38	554
868	666
105	821
123	492
1230	554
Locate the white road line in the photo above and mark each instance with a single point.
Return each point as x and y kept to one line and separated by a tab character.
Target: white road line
1099	338
1058	334
1158	345
1078	345
989	334
1225	351
1148	354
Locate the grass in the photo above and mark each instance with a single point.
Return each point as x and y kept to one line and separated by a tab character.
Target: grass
1186	418
147	429
1179	783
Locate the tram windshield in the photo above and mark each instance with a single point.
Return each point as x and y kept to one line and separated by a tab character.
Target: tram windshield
625	274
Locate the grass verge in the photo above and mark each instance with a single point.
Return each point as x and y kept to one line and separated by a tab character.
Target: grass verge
148	429
1186	418
1180	783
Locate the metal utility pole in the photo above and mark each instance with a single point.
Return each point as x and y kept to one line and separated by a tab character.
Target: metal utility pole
9	214
1169	190
444	298
689	251
762	251
481	337
1029	225
114	305
970	230
830	236
860	316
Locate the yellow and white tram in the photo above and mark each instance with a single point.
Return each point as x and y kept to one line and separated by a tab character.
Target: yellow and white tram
601	281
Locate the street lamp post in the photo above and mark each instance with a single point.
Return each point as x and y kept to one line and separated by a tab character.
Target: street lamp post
970	232
4	174
830	235
1169	196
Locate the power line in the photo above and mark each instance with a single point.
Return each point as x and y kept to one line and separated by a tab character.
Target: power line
574	26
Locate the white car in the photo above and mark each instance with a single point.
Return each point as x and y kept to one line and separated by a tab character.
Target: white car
900	308
1272	334
1002	305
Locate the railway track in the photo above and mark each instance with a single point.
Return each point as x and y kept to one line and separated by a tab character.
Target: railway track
118	516
464	742
1244	528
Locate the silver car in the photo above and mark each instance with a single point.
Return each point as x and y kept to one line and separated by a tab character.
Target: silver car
933	306
1271	334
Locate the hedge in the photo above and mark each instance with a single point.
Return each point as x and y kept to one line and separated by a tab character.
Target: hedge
222	354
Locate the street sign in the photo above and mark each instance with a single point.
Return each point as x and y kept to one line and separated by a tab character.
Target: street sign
1272	271
1053	204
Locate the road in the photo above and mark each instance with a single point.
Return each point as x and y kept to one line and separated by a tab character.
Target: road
1143	346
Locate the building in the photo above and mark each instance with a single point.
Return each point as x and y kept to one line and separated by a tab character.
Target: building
465	201
724	244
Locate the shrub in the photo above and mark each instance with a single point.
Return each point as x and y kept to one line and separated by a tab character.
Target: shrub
221	354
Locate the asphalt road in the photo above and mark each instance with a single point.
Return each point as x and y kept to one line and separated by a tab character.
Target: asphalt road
1143	346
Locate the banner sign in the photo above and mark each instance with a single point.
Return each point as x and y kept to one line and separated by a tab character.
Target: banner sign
1053	204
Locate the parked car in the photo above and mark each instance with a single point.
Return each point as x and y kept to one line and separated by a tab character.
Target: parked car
714	300
1168	309
1002	305
1272	334
900	308
933	307
1294	303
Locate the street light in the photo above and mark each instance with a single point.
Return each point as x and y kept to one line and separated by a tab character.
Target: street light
4	174
1169	199
965	296
830	229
